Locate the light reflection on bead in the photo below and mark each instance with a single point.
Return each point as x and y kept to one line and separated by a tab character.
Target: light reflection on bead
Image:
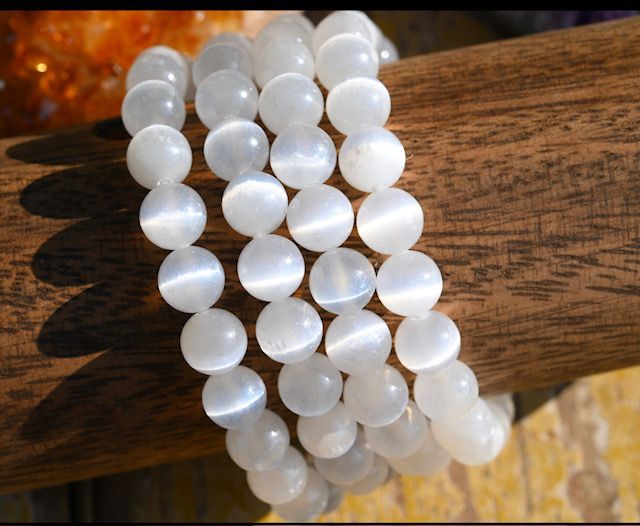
472	431
338	23
330	435
429	459
343	57
152	102
347	468
220	56
310	504
283	55
283	482
158	66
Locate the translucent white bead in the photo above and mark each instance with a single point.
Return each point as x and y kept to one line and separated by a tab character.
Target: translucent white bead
429	459
191	279
342	281
505	402
298	19
388	52
289	330
270	267
358	343
283	482
400	438
152	102
375	478
378	399
261	445
158	66
234	146
371	158
158	153
225	94
390	221
343	57
219	56
311	387
290	98
234	400
213	341
168	52
310	504
320	218
173	216
280	27
336	496
283	55
374	30
254	203
330	435
471	431
426	344
303	155
337	23
347	468
230	37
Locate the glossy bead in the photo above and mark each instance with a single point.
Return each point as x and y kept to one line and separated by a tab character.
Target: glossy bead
289	330
358	343
310	504
191	279
158	66
336	496
338	23
283	482
213	341
254	203
152	102
429	459
270	267
231	37
503	401
374	31
388	52
330	435
220	56
283	55
298	19
280	27
347	468
167	51
375	478
472	431
343	57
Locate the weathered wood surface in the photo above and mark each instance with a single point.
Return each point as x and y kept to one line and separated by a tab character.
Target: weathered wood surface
524	154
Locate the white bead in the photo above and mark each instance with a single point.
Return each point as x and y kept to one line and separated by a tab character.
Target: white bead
426	344
191	279
250	148
371	158
429	459
342	281
390	221
173	216
219	56
280	27
230	37
343	57
378	399
158	154
374	30
388	52
213	341
261	445
158	66
357	104
167	51
505	402
320	218
270	267
330	435
254	203
224	94
289	330
375	478
298	19
337	23
234	400
310	504
472	431
311	387
400	438
283	55
358	343
303	155
290	98
283	482
152	102
336	496
347	468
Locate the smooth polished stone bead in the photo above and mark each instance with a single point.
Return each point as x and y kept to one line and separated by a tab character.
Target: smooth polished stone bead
254	203
347	468
358	343
173	216
330	435
270	267
310	504
336	496
371	158
290	98
429	459
231	37
250	151
390	221
158	154
213	341
191	279
374	30
426	344
311	387
157	66
344	57
152	102
224	94
168	52
283	482
289	330
338	23
303	155
283	55
378	399
471	431
388	52
320	218
219	56
505	402
375	478
298	19
281	27
342	281
261	445
234	400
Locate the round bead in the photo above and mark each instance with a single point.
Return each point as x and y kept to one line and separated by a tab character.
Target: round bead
336	496
337	23
234	400
280	27
390	221
388	52
330	435
375	478
283	55
254	203
472	431
283	482
311	387
374	31
347	468
158	154
230	37
158	66
429	459
359	343
310	504
320	218
289	330
371	158
503	401
220	56
343	57
213	341
303	155
342	281
298	19
152	102
191	279
167	51
426	344
173	216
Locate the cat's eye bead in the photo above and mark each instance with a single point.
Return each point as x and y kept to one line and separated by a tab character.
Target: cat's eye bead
152	102
281	27
282	55
167	51
226	94
310	504
472	431
336	496
283	482
158	66
231	37
349	467
221	56
343	57
375	478
330	435
299	19
338	23
430	458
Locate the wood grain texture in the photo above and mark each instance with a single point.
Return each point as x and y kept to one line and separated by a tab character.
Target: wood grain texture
524	155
